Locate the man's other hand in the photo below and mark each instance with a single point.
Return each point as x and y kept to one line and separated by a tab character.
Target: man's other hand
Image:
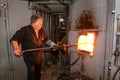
17	52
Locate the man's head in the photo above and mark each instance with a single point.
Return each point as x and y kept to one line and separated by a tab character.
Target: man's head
36	22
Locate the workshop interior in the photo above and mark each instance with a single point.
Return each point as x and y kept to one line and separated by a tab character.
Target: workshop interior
87	31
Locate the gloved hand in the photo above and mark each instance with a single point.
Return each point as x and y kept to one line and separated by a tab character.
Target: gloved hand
55	47
52	44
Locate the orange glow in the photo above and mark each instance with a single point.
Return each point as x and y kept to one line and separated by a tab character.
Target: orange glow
86	42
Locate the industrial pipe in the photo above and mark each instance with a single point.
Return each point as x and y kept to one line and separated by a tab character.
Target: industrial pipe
116	73
116	53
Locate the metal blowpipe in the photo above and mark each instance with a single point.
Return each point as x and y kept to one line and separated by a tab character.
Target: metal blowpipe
47	48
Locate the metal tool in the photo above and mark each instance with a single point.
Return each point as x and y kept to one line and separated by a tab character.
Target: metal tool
47	48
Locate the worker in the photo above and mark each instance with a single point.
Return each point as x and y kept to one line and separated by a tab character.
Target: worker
30	37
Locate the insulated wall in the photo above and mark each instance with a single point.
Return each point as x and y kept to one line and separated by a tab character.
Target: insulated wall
14	15
5	60
106	13
91	67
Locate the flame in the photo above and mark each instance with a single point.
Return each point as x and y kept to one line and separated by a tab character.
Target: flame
86	42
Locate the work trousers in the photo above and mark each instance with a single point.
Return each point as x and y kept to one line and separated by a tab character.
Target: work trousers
33	71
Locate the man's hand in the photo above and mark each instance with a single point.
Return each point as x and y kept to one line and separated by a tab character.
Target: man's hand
17	52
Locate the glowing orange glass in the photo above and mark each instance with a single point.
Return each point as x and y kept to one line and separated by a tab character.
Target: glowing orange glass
86	42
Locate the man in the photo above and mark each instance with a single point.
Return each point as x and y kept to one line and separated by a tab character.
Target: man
30	37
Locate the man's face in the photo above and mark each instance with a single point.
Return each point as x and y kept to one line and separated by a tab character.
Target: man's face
38	24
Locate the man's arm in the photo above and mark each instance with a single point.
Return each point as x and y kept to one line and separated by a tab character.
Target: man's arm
16	39
16	48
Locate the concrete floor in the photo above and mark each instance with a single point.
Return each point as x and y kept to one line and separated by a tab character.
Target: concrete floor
58	72
52	72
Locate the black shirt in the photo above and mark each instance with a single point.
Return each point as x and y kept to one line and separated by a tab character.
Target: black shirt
28	39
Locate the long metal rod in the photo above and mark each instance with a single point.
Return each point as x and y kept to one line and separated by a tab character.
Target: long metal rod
47	48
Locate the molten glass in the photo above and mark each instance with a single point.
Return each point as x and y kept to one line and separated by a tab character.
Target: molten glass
86	42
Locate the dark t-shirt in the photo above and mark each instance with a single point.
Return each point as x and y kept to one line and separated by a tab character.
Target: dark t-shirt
27	38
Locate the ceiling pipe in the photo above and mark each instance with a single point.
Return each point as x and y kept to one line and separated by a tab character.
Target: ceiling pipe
47	1
62	2
47	7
